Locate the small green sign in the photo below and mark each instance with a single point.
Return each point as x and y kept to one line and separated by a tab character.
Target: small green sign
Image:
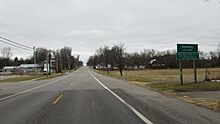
187	55
187	52
187	47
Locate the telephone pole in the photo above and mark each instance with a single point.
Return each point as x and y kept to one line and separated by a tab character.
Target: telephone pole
34	59
49	56
68	59
57	59
61	65
47	61
218	51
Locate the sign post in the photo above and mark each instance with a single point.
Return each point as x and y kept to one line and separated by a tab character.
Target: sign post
194	67
187	52
181	72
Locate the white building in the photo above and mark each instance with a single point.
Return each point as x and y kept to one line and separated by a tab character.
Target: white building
30	68
10	69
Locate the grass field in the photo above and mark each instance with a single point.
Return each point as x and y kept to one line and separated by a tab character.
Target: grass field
168	79
29	77
20	78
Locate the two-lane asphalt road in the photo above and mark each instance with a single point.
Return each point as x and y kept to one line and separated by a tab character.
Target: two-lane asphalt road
85	97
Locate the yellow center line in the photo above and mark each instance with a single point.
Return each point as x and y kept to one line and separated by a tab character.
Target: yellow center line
57	99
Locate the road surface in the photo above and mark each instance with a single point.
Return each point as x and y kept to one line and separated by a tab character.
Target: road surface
85	97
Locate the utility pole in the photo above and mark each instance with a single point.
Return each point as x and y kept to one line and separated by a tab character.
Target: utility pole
49	56
68	59
181	72
77	61
34	59
194	67
57	59
61	64
47	62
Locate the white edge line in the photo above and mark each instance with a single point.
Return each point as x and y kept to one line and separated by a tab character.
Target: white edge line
25	91
144	119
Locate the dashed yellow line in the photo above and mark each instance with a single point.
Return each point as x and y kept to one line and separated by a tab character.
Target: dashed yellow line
57	99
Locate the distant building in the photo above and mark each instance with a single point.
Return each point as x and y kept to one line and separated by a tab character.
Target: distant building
100	66
23	68
155	64
30	67
142	67
152	61
128	67
10	69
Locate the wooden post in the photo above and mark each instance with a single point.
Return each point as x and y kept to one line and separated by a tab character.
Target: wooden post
194	67
57	64
35	70
68	61
206	74
181	72
47	62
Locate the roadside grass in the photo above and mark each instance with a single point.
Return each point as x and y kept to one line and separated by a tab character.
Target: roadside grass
167	82
44	77
207	103
168	79
20	78
188	87
36	77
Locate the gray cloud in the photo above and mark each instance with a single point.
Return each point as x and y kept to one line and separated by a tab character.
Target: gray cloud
85	25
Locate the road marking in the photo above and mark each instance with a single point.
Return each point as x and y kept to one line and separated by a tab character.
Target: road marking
144	119
57	99
37	87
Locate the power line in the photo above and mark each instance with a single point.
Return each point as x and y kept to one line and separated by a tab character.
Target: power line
15	45
10	28
19	12
15	42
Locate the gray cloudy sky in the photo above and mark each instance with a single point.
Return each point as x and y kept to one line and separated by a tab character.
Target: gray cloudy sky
86	25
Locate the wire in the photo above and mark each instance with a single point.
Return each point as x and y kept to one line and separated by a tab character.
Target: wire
10	28
19	12
15	42
15	45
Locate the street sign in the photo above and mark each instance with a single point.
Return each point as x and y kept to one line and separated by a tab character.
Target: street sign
187	52
187	55
187	47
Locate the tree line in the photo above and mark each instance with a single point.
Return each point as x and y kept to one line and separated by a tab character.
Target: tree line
116	57
63	57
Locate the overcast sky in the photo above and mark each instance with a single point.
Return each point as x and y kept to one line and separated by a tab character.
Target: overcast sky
86	25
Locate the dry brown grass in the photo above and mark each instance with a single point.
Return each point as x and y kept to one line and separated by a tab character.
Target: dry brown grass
207	103
164	75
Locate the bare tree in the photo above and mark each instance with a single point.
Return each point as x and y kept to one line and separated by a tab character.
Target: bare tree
118	51
41	54
6	52
65	54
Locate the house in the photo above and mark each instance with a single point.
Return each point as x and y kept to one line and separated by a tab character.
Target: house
30	67
10	69
156	64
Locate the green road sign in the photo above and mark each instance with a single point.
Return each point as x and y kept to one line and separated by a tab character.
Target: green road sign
187	52
187	55
187	47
